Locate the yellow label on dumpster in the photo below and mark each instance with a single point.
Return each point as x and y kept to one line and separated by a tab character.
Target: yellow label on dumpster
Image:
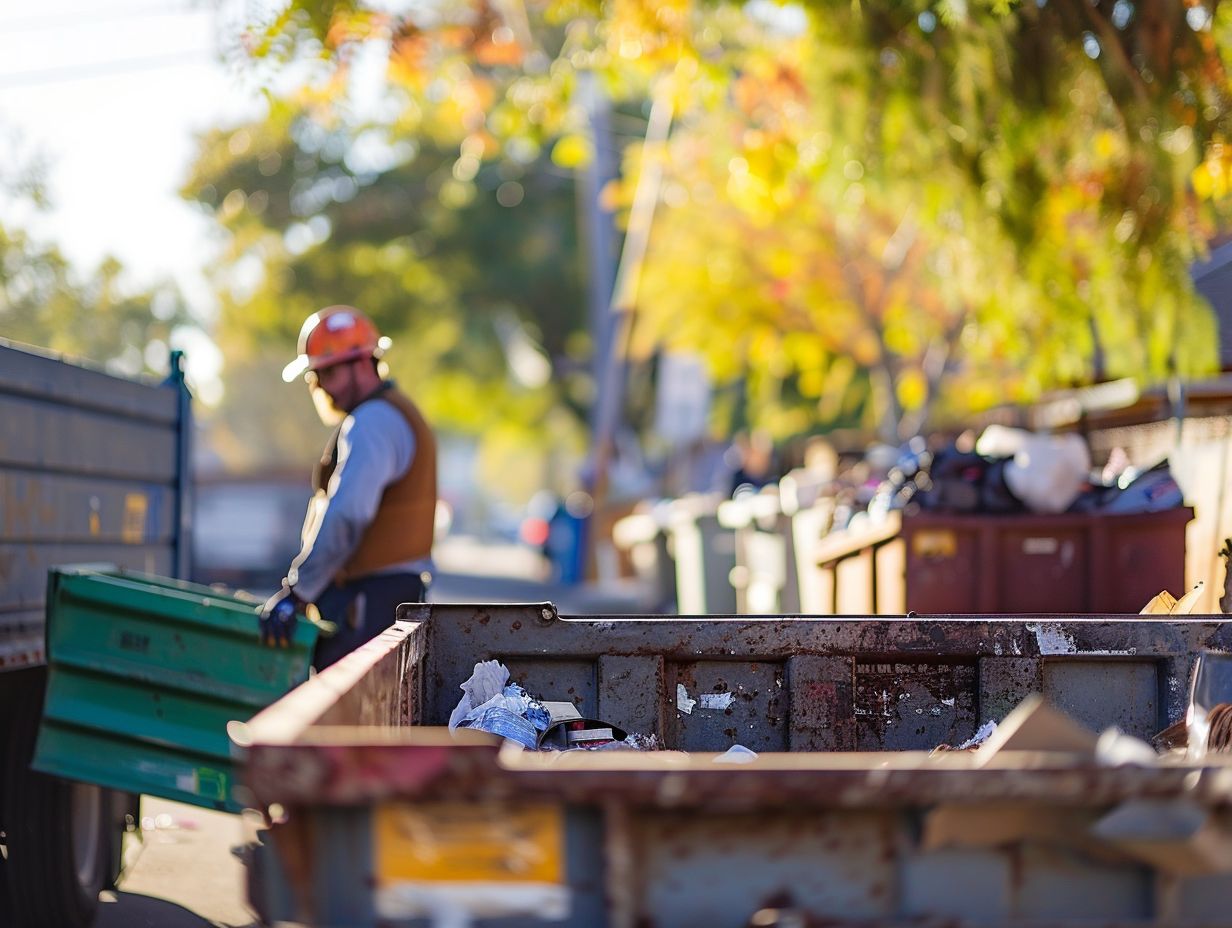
465	842
938	543
132	530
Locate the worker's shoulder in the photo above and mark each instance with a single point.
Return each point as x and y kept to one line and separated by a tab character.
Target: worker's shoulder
378	414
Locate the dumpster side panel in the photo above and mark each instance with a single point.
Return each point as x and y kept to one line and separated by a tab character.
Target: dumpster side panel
904	705
944	563
737	702
838	864
774	683
389	694
1041	569
1095	692
1035	564
1136	556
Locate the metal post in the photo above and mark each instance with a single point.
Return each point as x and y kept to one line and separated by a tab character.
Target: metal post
182	557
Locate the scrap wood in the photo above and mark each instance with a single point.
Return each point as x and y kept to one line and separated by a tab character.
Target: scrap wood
1035	725
1164	603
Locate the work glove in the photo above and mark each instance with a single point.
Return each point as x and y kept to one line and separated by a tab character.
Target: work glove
278	618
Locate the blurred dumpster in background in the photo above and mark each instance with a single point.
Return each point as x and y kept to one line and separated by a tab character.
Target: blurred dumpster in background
378	819
705	553
643	536
937	563
1019	524
1058	563
776	547
764	578
145	674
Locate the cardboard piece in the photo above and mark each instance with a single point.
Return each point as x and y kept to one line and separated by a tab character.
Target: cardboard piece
561	711
1035	725
1164	603
1189	602
1173	835
1161	604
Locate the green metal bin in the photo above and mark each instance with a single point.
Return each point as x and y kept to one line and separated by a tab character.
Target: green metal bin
145	673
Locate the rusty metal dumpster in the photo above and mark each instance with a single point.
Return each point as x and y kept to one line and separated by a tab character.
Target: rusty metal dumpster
381	818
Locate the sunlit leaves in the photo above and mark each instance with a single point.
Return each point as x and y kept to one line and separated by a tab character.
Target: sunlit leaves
951	204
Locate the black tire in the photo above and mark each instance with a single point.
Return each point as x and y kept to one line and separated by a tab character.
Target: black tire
123	818
6	907
58	844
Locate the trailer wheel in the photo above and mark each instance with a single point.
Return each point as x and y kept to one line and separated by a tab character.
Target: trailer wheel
58	844
6	906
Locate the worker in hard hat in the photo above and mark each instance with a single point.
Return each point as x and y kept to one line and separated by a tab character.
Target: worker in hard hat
367	537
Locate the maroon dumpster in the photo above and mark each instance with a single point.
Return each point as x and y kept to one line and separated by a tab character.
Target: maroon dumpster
942	564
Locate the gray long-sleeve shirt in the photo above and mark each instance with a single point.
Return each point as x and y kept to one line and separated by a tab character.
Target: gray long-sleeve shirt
375	447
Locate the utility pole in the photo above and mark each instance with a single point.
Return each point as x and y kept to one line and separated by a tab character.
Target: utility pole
600	232
617	320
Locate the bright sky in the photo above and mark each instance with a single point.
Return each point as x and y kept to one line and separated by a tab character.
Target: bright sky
111	92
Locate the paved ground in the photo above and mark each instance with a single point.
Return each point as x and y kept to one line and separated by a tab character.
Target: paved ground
184	875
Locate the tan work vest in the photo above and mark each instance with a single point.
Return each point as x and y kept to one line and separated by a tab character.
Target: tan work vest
402	529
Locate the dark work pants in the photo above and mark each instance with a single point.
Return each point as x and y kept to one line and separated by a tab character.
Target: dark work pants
362	608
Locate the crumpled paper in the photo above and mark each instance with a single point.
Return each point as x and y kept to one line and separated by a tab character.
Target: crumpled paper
486	682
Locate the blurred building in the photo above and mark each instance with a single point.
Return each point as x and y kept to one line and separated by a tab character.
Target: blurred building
246	528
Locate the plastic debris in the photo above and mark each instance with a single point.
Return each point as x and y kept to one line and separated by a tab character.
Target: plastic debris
512	714
500	721
984	733
716	700
638	742
1046	472
683	701
486	681
491	703
736	754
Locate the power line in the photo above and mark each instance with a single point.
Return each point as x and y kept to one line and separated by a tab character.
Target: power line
42	76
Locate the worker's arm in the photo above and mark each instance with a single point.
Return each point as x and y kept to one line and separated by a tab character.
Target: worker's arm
375	447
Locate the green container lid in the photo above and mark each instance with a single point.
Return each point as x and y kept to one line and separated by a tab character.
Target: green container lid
145	673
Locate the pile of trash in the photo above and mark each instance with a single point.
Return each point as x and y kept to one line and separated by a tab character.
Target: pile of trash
1010	470
491	703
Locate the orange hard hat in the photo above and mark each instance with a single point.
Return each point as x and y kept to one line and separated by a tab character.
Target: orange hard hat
335	335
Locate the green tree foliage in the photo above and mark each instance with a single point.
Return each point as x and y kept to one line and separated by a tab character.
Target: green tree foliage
931	206
470	267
